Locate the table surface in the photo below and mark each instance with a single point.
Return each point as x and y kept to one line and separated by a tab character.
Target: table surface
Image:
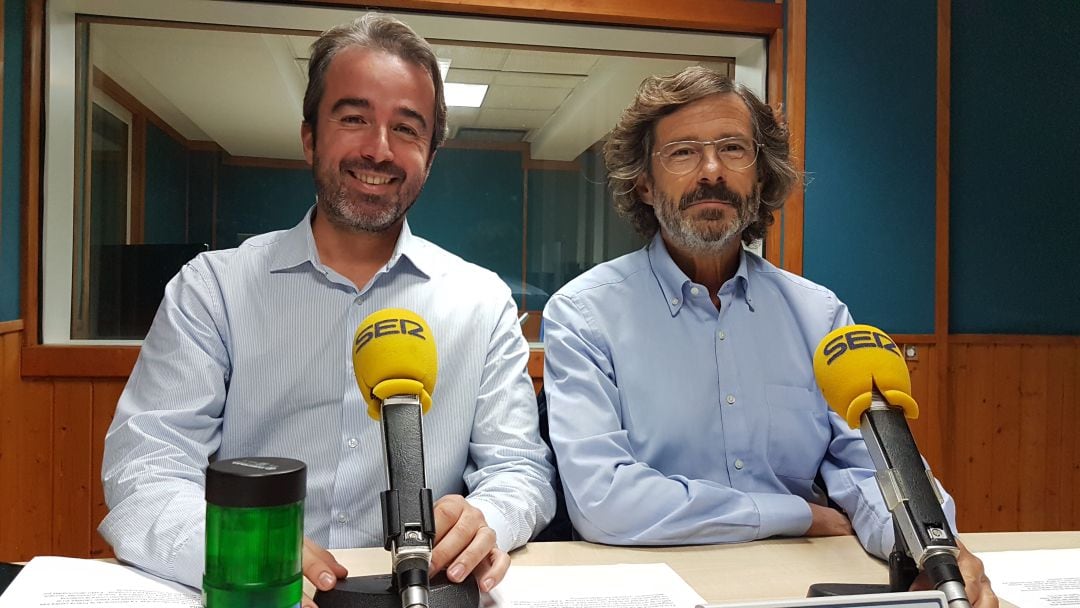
770	569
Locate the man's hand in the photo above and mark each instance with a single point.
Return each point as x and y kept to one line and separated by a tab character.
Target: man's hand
465	544
828	522
321	569
976	585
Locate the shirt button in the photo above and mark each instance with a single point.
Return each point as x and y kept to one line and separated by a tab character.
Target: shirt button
721	334
674	301
738	464
730	400
352	443
342	517
694	291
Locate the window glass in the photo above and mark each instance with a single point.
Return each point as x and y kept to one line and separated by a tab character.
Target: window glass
190	141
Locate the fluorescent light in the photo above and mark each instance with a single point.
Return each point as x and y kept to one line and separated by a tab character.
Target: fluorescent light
458	94
465	95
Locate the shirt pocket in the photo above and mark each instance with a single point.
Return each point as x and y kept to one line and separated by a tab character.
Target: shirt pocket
799	431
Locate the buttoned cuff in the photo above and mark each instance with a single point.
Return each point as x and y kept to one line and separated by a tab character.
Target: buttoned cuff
504	533
781	514
189	558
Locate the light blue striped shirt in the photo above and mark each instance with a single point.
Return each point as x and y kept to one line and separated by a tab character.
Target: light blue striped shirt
250	355
677	423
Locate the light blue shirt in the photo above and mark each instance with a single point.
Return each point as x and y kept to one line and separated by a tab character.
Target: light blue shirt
677	423
250	355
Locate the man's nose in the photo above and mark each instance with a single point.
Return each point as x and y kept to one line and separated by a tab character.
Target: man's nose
711	169
375	146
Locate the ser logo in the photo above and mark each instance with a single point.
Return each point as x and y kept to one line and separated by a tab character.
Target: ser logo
388	327
859	338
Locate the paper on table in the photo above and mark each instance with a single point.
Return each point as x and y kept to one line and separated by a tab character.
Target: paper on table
615	586
79	583
1045	578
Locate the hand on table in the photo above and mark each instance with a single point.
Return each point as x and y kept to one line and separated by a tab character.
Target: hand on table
828	522
321	569
464	544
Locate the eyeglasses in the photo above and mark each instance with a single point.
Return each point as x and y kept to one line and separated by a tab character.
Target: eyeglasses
682	157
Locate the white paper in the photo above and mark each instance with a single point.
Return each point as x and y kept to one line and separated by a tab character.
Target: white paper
1046	578
85	583
615	586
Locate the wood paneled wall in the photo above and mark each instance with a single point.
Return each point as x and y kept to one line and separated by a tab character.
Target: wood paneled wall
1006	447
51	436
1016	432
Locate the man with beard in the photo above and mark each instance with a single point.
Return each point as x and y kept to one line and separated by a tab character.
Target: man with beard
681	396
250	353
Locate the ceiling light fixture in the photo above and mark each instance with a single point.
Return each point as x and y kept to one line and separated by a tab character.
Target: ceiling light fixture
459	94
465	95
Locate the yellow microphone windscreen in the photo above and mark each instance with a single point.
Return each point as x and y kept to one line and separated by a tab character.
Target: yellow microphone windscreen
394	354
850	361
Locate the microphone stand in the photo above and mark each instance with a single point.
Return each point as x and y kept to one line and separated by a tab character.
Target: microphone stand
408	528
922	535
902	572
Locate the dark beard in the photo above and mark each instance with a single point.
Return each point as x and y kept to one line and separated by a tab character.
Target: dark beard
716	192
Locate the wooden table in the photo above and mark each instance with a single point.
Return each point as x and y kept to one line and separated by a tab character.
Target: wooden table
771	569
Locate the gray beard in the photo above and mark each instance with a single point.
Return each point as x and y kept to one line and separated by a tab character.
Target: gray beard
697	237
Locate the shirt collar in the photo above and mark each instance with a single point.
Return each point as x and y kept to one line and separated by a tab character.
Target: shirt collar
297	247
674	283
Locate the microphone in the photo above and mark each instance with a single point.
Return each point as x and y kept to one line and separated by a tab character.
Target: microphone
395	364
863	377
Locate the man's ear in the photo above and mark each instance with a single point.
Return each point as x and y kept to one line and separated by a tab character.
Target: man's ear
643	187
431	159
307	138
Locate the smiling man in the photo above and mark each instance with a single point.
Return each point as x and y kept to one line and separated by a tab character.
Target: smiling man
681	395
250	353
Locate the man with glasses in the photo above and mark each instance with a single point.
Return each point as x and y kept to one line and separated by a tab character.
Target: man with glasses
681	396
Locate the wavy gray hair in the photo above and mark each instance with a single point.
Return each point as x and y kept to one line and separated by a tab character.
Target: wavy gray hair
630	145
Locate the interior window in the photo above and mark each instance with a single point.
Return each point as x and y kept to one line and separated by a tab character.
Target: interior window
185	138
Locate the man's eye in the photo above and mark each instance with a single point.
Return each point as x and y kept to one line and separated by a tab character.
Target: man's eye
352	120
681	152
407	131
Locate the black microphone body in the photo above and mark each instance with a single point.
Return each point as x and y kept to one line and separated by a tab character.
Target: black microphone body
912	496
408	510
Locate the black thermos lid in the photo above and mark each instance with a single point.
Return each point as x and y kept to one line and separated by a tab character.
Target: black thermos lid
256	482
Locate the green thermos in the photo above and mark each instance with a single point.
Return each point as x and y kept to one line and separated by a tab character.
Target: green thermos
254	533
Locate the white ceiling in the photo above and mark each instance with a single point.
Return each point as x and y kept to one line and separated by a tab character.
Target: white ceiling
244	91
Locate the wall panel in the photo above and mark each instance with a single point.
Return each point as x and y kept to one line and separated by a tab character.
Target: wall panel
73	473
25	457
1013	462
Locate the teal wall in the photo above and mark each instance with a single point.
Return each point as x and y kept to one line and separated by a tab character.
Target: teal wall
166	188
11	171
202	178
471	205
1014	193
870	145
253	200
559	203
